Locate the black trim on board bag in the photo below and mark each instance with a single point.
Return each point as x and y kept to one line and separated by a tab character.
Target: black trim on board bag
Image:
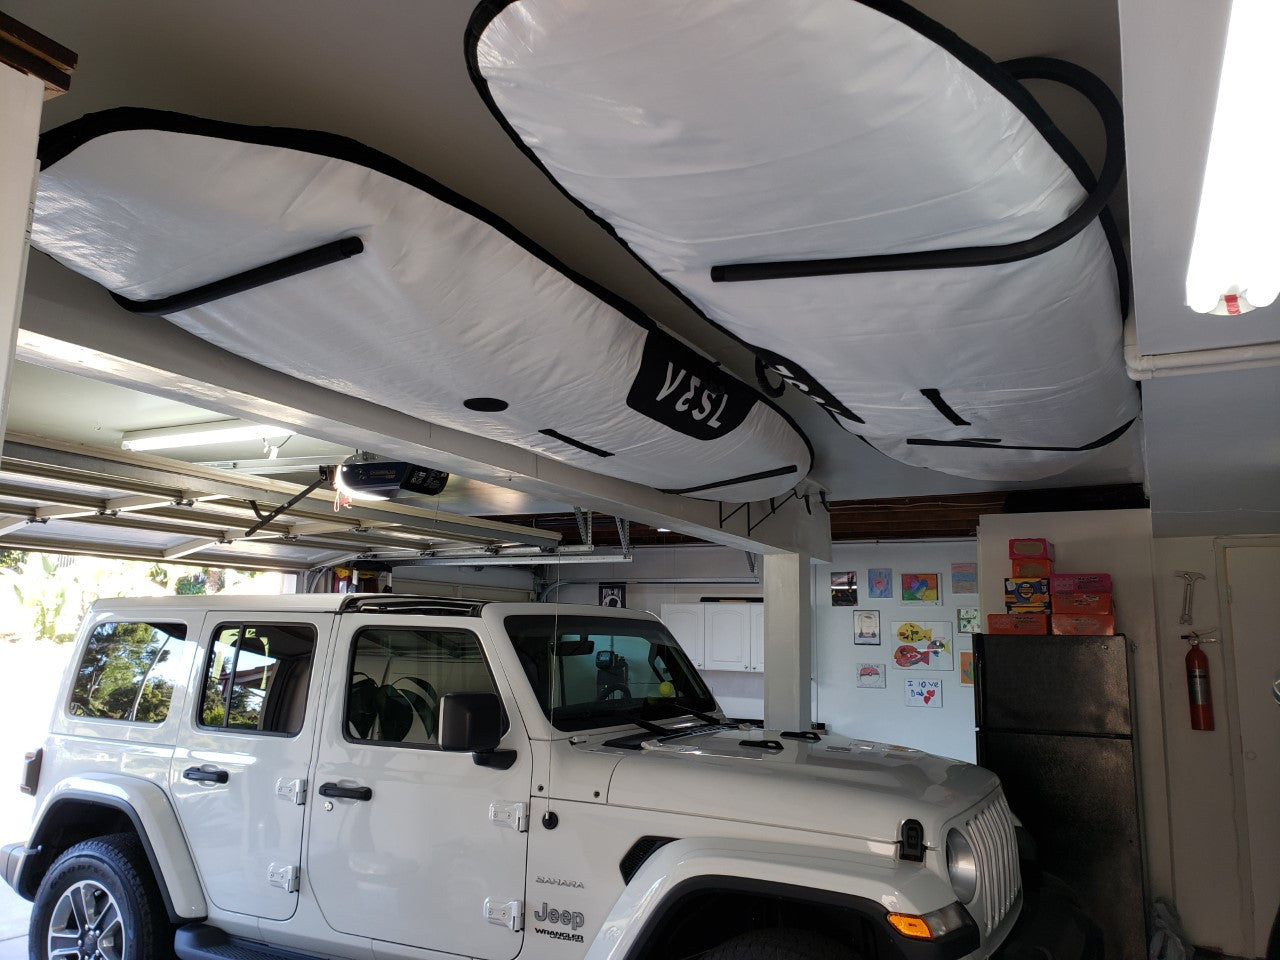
934	396
999	445
59	142
1098	196
291	266
998	78
762	380
564	438
734	481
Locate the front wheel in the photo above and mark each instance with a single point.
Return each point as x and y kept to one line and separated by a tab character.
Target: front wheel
99	901
779	944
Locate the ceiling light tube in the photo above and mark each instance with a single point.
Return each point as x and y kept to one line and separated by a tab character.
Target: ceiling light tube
199	435
1235	256
519	560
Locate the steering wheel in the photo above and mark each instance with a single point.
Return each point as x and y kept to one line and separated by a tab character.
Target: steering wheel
608	690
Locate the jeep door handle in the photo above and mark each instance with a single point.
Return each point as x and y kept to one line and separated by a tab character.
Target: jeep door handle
346	793
201	775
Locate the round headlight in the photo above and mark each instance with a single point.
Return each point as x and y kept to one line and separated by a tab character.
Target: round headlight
962	866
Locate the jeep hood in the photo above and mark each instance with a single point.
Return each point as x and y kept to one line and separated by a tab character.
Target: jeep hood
854	788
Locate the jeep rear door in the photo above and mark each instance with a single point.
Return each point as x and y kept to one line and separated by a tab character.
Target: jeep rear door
407	842
239	773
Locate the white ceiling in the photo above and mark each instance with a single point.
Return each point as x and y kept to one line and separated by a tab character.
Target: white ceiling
392	75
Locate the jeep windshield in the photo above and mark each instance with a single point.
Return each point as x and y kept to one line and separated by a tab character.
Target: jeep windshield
603	671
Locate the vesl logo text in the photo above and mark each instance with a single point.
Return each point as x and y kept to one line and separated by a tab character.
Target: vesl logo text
684	402
573	920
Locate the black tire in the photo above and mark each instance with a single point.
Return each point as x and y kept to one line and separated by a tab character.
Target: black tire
780	944
104	872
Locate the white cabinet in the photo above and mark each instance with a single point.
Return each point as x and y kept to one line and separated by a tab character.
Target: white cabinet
686	623
719	636
728	635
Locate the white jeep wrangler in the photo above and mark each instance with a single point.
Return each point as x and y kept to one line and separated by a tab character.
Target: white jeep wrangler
374	776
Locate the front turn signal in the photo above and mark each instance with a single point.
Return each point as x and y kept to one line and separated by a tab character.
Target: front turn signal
931	926
910	926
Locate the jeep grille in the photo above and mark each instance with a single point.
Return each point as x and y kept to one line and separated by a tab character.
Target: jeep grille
990	830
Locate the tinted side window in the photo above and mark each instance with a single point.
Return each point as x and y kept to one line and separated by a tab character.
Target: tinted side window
128	671
399	674
257	676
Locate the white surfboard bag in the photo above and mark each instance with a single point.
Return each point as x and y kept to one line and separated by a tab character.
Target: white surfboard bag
883	215
331	262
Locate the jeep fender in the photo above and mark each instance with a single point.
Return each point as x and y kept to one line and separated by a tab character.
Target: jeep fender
796	872
153	817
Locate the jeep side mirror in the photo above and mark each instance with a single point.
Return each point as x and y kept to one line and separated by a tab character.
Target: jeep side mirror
472	722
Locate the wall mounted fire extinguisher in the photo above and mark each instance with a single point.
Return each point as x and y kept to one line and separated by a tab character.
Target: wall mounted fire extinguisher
1198	692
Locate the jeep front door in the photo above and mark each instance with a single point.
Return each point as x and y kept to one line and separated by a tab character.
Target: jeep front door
239	771
408	842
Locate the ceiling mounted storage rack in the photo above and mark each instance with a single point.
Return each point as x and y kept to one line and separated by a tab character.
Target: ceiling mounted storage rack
885	216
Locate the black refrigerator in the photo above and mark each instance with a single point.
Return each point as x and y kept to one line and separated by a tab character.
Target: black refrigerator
1055	723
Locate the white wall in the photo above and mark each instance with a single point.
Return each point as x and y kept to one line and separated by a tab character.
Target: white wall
684	562
1206	887
883	714
1117	542
487	583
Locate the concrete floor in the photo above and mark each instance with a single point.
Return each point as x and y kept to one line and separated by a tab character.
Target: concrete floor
14	915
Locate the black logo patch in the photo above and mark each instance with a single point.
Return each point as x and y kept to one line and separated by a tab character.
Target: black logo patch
687	392
805	382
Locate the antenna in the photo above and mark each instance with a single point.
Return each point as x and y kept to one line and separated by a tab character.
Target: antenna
549	819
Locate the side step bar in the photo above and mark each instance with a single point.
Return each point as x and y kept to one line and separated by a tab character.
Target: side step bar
200	941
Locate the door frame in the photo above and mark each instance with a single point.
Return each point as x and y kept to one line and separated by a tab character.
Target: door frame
1239	796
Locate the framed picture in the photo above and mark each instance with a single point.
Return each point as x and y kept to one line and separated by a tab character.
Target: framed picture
844	589
871	676
967	620
964	578
613	594
921	588
866	627
966	668
880	583
924	693
923	645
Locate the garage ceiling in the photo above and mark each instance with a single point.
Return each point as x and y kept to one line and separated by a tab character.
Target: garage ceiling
392	75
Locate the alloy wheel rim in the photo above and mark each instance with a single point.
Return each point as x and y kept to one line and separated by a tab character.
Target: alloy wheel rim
86	925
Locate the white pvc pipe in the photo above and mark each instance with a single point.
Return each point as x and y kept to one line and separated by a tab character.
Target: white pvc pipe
1217	360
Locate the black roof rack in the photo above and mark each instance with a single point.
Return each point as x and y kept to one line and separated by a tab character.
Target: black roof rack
415	605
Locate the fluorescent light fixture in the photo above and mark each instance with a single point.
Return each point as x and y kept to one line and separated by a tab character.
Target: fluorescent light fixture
1235	257
199	435
519	559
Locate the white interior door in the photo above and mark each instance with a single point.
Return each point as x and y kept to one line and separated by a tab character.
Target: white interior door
1253	581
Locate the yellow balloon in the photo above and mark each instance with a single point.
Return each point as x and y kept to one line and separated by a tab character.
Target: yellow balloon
667	688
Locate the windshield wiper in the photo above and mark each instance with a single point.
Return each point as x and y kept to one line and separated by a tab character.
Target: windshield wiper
704	717
649	726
